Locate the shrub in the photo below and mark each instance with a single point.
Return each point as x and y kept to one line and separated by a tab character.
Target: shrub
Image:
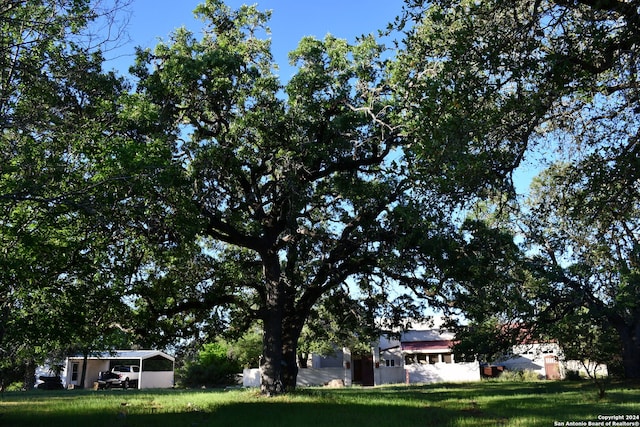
524	376
213	367
572	375
15	386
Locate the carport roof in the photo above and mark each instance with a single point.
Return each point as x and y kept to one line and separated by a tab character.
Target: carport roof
126	354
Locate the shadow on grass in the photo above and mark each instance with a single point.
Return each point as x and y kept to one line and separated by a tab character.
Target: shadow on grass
262	413
332	415
475	404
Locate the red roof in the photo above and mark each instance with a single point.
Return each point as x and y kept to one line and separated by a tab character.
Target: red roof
427	345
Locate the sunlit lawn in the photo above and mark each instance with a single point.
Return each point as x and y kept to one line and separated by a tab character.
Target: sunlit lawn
475	404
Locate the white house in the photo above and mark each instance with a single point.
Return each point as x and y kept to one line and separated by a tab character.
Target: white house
541	358
156	367
415	356
421	355
547	360
424	355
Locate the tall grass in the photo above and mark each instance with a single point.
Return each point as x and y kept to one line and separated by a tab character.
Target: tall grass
488	403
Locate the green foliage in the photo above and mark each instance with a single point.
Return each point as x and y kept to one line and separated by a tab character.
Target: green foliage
61	273
495	84
214	366
518	376
246	350
214	195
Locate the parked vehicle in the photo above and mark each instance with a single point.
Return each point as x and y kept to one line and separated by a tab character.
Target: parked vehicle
50	383
124	376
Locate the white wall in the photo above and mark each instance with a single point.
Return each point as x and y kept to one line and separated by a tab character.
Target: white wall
156	379
443	372
311	376
575	365
306	376
390	375
251	377
530	357
93	371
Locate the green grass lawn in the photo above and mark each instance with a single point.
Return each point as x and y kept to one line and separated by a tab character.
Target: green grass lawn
476	404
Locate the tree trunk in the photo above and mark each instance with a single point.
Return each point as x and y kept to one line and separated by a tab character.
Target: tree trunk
83	376
29	379
283	322
289	369
630	337
279	368
292	328
272	361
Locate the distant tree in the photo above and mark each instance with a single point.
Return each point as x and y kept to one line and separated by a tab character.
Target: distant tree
588	249
595	345
489	290
514	82
57	109
572	277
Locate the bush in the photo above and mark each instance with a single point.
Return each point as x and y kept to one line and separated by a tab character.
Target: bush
15	386
572	375
213	367
519	376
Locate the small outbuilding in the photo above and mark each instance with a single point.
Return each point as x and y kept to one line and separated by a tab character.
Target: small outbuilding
156	369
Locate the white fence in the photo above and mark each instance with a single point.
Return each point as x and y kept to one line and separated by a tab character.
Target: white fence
306	376
390	375
443	372
251	377
414	374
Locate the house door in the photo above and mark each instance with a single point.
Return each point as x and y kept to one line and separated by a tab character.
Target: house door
363	370
552	368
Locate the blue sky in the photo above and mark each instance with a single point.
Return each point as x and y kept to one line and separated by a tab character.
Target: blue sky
290	21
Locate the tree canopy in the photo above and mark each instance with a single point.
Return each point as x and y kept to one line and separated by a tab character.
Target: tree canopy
57	108
553	84
205	194
298	189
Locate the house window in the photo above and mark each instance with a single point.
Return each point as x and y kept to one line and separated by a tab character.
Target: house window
75	368
447	358
434	358
390	363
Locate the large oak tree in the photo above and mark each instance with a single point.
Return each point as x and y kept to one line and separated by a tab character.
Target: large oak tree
297	191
